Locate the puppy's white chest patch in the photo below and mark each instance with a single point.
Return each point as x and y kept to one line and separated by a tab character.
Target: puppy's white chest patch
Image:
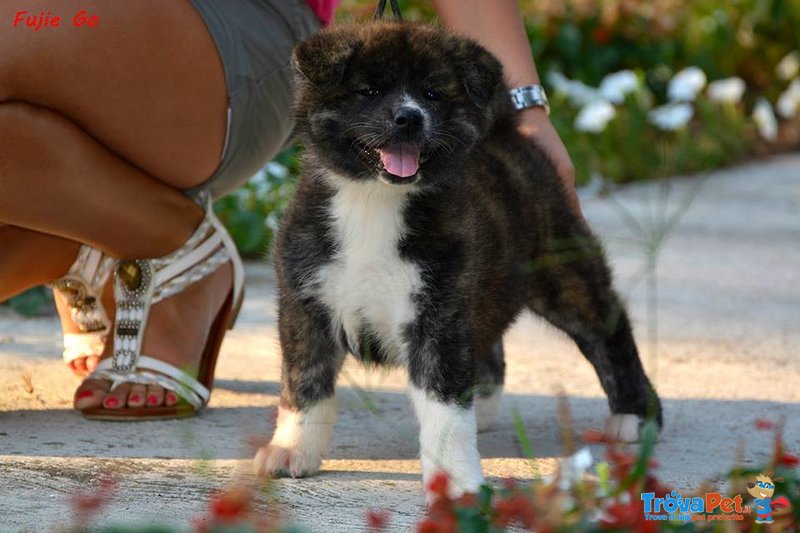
368	287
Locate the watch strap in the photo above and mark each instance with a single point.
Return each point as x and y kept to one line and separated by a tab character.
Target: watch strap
529	96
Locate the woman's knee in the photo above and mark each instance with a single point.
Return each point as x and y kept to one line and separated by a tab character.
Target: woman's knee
26	132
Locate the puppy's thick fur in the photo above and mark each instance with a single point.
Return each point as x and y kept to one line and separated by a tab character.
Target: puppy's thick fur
423	224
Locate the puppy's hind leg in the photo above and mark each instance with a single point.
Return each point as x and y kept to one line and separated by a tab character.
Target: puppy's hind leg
307	411
571	288
489	391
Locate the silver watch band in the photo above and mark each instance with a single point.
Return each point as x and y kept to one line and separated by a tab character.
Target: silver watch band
529	96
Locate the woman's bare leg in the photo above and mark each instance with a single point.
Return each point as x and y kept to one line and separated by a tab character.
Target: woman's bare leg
147	82
30	258
34	258
131	111
57	179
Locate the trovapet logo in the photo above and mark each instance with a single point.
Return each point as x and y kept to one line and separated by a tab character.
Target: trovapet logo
715	507
674	506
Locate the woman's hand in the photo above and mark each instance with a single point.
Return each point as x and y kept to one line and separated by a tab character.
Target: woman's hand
535	124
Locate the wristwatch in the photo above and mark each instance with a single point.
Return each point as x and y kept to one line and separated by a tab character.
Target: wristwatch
529	96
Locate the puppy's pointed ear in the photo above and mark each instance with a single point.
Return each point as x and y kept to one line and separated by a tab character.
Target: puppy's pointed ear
480	72
323	58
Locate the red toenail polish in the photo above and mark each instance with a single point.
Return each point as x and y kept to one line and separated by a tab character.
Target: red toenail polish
135	398
152	399
84	394
171	398
111	402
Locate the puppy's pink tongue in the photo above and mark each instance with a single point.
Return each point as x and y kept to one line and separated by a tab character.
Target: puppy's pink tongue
401	160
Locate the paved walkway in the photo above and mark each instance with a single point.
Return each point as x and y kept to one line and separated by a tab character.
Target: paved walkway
728	316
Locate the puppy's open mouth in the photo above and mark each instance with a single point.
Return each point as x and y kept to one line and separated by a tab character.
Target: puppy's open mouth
401	161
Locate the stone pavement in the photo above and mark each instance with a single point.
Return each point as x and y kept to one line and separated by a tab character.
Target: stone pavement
727	286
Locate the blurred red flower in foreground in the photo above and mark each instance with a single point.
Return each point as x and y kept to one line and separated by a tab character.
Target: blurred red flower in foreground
787	459
93	502
764	424
377	520
230	505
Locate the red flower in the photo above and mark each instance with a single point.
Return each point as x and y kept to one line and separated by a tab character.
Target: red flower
504	513
595	436
601	35
86	505
651	484
439	524
628	516
788	459
523	510
509	483
377	520
230	505
621	462
468	500
438	485
427	526
200	525
764	424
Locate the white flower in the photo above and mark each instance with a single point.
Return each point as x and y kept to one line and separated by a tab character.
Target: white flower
616	86
277	169
788	67
594	116
726	91
574	467
789	101
765	120
684	86
671	116
579	93
558	81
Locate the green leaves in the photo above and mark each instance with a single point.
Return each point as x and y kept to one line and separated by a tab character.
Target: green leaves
32	303
252	213
248	231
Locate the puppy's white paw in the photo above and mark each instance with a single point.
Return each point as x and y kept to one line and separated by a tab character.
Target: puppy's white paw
624	428
301	439
486	408
448	443
276	461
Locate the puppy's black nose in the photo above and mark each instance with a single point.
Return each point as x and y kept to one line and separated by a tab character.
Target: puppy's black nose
407	119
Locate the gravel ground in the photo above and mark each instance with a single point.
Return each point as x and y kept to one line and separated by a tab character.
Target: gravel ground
727	312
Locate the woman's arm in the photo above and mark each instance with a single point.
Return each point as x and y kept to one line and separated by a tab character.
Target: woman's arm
498	26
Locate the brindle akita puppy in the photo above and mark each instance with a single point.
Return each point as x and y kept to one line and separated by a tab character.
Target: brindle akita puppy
423	224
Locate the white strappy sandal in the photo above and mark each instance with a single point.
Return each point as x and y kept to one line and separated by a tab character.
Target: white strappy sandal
140	284
82	290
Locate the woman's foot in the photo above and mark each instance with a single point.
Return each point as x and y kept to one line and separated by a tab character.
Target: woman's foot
83	366
177	332
83	295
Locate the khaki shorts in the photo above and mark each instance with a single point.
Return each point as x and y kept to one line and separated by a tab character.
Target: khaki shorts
255	39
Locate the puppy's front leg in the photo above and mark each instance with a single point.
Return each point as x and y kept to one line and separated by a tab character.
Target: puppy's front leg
307	411
441	392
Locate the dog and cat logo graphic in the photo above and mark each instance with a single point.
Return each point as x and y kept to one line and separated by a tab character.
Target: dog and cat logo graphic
715	507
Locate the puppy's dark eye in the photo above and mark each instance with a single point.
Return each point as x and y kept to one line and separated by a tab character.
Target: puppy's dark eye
433	95
369	92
